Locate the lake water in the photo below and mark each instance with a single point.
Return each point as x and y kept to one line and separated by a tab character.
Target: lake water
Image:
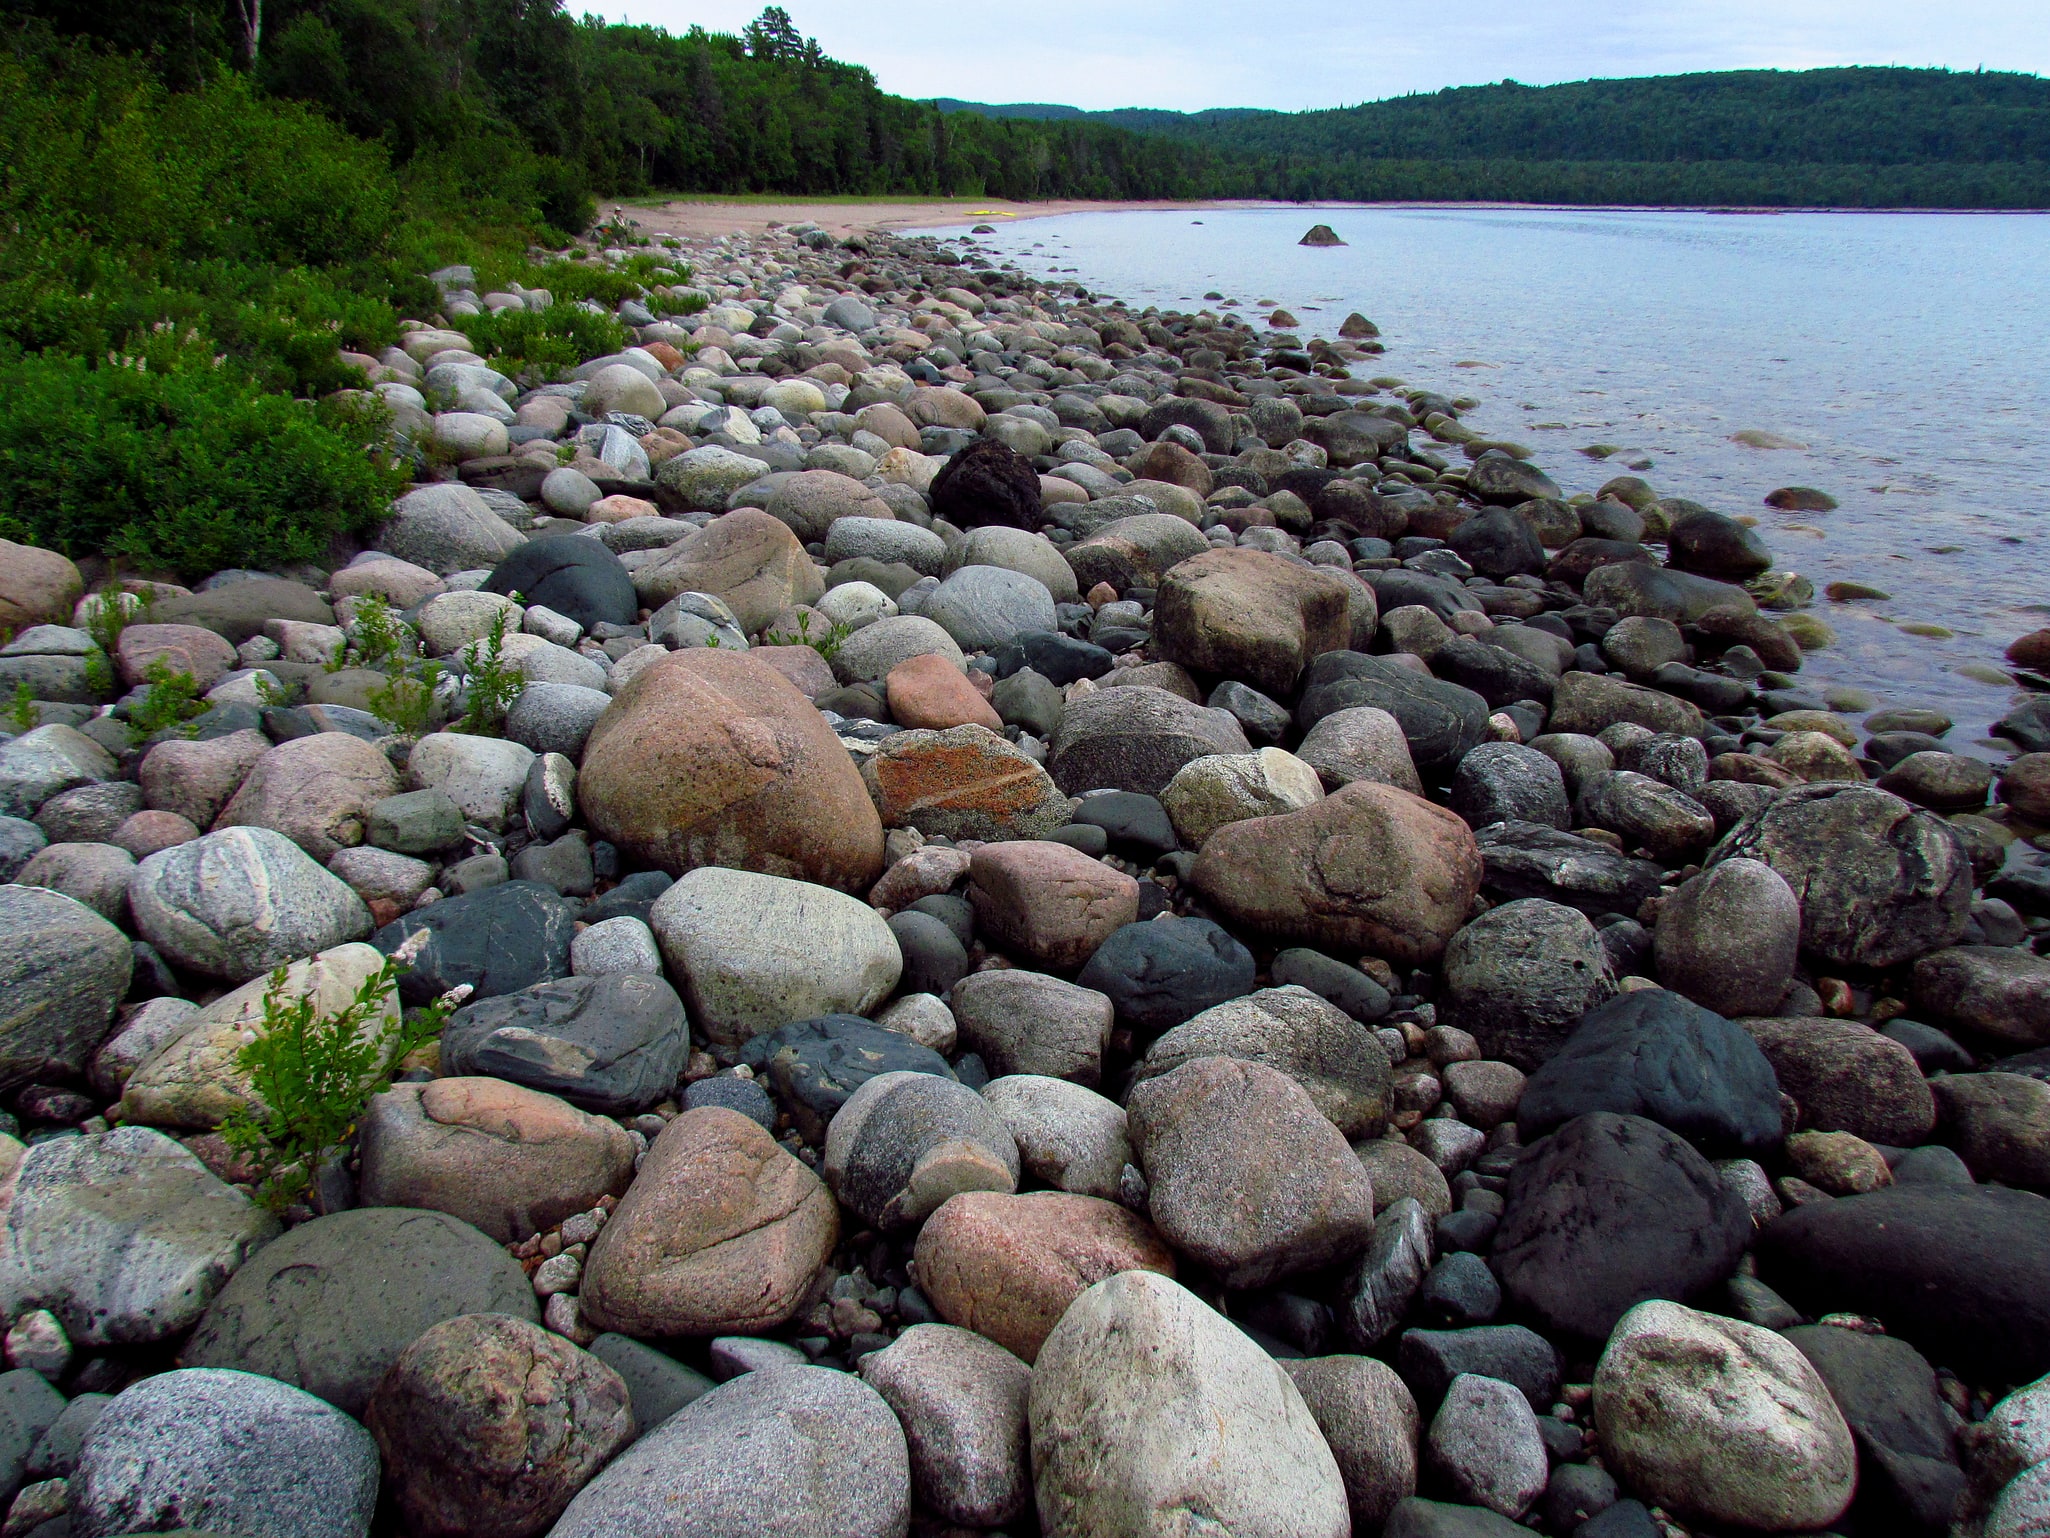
1909	355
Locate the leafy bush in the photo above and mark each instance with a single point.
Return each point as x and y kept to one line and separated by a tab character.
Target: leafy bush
176	462
493	683
549	341
167	705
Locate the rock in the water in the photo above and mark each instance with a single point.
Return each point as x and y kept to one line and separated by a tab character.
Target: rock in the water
329	1307
125	1236
237	903
237	1452
488	1425
1370	869
1519	976
721	1233
1721	1421
1322	1048
757	951
780	1450
1245	1173
1728	938
499	939
1879	882
1610	1211
962	1401
63	970
1653	1054
613	1043
1009	1266
1152	1416
712	758
904	1143
509	1161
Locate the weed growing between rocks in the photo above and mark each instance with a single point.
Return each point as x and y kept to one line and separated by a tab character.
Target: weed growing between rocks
168	704
494	683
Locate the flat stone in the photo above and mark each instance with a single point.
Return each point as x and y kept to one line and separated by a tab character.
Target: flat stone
614	1043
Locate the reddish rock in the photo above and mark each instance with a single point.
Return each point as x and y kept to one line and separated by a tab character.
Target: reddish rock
197	779
721	1233
619	507
747	558
926	872
802	665
1051	903
1369	869
2031	651
930	692
709	757
1172	463
1007	1266
1100	595
182	648
147	832
315	790
37	587
967	783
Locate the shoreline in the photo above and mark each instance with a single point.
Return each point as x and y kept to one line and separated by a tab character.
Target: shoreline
712	217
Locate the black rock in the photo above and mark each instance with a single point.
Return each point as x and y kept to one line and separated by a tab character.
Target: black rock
742	1095
1495	477
1523	859
1908	1475
987	483
1576	1492
1508	782
1429	1360
1265	722
1441	595
578	578
1468	1230
957	913
1158	974
1058	658
1711	545
1607	1212
1625	1519
1561	1438
1442	721
614	1044
1136	824
499	940
1334	982
934	960
1961	1273
1498	676
1415	1517
1933	1051
1460	1291
2028	724
1497	543
814	1065
1207	418
1655	1054
632	898
1932	1165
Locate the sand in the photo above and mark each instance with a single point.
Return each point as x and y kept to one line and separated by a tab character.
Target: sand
702	217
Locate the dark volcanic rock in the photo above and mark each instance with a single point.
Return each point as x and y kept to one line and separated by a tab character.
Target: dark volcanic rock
1962	1272
1522	859
814	1065
1607	1212
613	1044
1655	1055
1165	971
499	940
986	483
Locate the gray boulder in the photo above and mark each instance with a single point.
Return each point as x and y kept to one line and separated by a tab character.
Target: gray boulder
63	971
613	1043
904	1142
1519	976
961	1399
237	903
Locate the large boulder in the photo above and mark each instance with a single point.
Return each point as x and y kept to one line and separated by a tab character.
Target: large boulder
790	1450
1653	1054
570	574
63	971
1519	976
447	527
721	1233
1879	882
1245	1172
756	952
1441	721
1728	938
711	758
1721	1421
329	1307
230	1451
237	903
1610	1211
962	1400
1136	739
746	559
1250	615
1961	1272
1368	870
1152	1416
37	587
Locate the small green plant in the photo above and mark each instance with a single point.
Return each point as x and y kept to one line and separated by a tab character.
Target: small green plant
22	714
376	639
315	1072
168	704
493	682
405	701
272	692
827	645
104	621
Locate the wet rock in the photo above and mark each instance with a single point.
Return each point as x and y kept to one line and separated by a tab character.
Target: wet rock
1507	782
1518	977
1381	1285
1728	938
1886	1392
814	1066
1846	1077
1590	703
1162	972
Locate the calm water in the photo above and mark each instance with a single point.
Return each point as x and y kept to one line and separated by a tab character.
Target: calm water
1909	354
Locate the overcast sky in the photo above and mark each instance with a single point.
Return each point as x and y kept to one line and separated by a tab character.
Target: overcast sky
1291	54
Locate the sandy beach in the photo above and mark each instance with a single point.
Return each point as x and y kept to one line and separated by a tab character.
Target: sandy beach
701	217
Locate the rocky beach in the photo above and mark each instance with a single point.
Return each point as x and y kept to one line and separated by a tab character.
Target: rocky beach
931	904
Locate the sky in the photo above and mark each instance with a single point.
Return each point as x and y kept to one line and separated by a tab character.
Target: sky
1295	54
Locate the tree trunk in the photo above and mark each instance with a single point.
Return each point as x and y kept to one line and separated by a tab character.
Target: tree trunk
252	29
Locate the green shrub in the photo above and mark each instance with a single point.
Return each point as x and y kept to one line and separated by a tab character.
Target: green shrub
493	683
176	462
167	705
549	341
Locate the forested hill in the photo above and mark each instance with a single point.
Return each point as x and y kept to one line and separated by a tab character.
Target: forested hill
1861	137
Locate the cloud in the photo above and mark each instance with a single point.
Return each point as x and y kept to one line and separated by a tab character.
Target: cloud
1292	54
